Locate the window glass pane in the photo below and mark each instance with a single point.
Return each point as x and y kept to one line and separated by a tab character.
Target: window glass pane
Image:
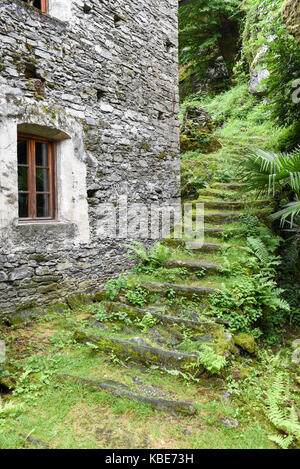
42	205
22	152
37	3
23	205
41	154
42	180
23	178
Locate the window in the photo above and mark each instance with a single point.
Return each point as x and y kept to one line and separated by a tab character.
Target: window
36	178
40	4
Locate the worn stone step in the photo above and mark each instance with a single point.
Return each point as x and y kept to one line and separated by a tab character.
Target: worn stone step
182	290
191	265
217	194
195	245
142	354
230	205
200	327
214	232
185	408
220	218
228	185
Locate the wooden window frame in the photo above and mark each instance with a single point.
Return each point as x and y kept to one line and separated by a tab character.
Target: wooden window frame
44	5
31	164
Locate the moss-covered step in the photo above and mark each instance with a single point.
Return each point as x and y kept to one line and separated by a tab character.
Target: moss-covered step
231	186
220	217
192	265
196	245
146	355
118	389
217	194
181	290
230	205
200	327
214	232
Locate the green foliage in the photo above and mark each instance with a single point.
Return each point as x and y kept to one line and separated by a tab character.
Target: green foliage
146	322
264	26
102	315
138	296
114	286
9	409
267	171
162	273
253	302
282	417
288	277
155	257
250	226
241	117
203	29
211	361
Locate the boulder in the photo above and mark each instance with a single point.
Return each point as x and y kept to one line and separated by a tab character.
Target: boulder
296	352
246	342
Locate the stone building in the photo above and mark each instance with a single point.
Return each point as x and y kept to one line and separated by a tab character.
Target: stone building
88	114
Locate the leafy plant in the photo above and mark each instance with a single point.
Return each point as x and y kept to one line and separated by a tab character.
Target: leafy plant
155	257
211	361
253	303
9	409
283	417
138	296
267	171
146	322
264	26
114	286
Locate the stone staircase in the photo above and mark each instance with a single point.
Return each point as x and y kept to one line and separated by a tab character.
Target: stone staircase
174	329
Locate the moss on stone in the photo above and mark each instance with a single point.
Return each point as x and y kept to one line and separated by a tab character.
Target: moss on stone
246	342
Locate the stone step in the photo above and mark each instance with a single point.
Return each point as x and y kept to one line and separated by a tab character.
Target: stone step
118	389
214	232
195	245
191	265
217	194
229	205
221	204
182	290
220	218
200	327
146	355
228	186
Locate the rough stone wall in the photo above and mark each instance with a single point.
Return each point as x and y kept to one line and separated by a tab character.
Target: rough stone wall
105	88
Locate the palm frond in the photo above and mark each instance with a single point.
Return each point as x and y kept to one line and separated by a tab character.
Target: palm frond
262	170
290	211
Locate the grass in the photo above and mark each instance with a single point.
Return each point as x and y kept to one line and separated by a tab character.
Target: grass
68	415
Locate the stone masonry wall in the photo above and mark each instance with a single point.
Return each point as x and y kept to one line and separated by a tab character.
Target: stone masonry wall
105	88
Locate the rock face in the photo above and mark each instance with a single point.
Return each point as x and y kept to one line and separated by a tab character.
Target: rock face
258	72
291	16
100	80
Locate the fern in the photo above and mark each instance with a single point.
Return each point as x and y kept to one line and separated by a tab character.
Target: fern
283	418
156	256
211	361
10	409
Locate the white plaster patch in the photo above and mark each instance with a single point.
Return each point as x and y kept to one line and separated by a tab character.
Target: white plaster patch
8	174
61	9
